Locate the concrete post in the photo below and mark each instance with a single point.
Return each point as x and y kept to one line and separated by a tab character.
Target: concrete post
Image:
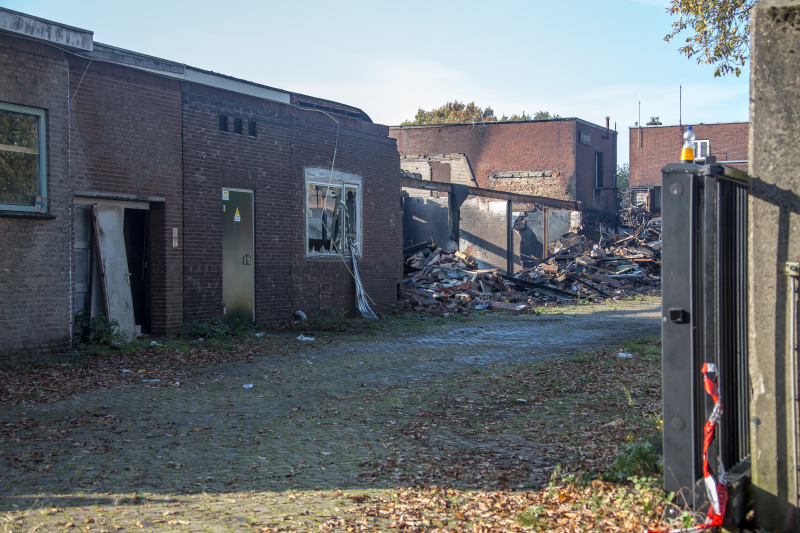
774	229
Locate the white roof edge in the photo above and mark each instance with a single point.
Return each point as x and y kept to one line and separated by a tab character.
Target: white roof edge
224	82
16	23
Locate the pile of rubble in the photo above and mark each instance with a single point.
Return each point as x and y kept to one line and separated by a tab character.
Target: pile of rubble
442	282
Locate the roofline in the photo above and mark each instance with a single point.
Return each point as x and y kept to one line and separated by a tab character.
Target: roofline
489	123
81	43
181	71
681	125
22	25
40	19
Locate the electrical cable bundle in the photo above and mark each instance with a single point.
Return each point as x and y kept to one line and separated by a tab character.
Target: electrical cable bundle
361	296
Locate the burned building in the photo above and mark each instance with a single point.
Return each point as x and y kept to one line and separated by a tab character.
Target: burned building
159	193
555	176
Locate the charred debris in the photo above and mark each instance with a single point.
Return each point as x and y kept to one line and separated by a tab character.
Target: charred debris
446	281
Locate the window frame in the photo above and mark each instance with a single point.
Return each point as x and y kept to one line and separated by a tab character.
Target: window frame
321	176
42	114
698	143
599	177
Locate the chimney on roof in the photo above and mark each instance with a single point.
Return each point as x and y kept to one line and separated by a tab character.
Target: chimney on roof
654	122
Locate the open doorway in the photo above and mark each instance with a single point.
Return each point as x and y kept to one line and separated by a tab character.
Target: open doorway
94	277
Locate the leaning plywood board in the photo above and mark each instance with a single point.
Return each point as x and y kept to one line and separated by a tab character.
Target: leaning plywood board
108	221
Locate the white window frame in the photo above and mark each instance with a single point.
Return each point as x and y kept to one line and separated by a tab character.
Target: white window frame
41	113
697	145
322	176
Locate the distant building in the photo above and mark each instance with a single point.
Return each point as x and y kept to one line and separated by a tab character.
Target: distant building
653	145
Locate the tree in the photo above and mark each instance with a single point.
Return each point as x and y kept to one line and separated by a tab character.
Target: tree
624	176
721	32
456	112
544	115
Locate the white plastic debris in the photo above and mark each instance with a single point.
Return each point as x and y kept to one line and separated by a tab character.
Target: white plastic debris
123	370
201	339
304	338
248	386
481	306
309	362
624	355
520	400
154	343
150	380
261	334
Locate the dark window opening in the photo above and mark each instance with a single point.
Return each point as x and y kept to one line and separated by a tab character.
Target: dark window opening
237	126
598	169
223	123
251	129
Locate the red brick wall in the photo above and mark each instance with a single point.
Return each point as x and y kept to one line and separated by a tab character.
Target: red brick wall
661	145
126	138
521	146
35	252
289	140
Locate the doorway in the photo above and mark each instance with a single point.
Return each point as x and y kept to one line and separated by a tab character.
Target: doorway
93	275
238	264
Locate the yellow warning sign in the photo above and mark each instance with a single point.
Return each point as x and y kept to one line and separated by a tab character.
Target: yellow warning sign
236	217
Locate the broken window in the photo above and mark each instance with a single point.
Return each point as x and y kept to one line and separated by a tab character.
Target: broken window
332	218
23	161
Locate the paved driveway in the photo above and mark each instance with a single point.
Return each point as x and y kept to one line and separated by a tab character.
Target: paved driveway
210	455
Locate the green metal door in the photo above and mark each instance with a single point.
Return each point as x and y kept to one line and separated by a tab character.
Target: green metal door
238	264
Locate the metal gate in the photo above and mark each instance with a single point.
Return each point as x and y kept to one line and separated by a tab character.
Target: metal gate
704	320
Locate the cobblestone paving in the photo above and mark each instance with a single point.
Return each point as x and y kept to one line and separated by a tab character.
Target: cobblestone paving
210	455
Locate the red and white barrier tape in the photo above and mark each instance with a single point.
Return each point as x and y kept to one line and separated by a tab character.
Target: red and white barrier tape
717	490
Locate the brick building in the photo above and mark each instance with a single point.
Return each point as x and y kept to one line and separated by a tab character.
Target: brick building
654	145
219	190
565	159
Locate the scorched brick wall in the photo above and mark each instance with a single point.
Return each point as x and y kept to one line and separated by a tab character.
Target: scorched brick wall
555	163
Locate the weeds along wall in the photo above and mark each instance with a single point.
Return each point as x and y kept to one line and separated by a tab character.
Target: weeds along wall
35	248
273	164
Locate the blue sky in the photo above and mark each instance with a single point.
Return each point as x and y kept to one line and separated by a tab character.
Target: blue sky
579	58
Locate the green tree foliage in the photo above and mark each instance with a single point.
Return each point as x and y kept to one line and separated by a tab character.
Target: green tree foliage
545	115
456	112
624	176
721	32
19	160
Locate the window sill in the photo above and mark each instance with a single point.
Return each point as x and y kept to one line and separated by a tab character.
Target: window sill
329	258
25	214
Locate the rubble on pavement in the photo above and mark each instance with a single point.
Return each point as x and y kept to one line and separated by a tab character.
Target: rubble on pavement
446	281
